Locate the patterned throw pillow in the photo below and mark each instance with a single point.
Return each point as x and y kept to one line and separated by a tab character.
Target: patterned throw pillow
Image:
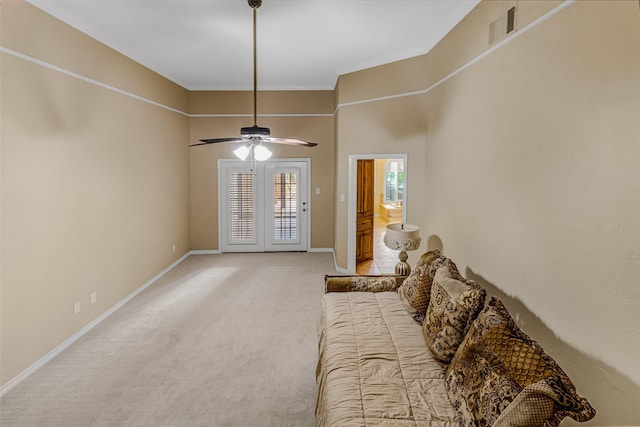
361	283
415	291
493	391
533	406
495	345
455	302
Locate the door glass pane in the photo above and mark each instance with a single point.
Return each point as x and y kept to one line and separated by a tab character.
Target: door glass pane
241	206
285	206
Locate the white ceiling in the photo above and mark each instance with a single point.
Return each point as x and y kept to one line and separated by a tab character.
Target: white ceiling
302	44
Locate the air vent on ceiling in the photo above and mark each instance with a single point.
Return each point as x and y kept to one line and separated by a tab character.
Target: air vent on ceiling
502	26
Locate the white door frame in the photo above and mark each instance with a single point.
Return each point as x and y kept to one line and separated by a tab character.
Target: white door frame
352	193
260	187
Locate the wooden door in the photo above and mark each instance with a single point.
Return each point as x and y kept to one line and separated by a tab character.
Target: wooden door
364	211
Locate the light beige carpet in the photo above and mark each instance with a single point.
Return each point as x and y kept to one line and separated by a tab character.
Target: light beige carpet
221	340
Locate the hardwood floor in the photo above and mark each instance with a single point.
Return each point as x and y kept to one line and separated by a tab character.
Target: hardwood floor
384	259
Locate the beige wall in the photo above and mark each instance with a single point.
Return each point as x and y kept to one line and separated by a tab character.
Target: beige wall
393	126
299	114
95	183
525	168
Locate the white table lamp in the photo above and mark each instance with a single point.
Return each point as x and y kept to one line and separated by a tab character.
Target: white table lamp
403	238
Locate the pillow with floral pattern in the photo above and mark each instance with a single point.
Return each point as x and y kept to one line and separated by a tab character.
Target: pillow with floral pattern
415	290
455	302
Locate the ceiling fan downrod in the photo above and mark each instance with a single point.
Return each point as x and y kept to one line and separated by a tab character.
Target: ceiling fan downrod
255	135
255	4
255	130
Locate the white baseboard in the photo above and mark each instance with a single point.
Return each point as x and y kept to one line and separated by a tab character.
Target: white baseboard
75	337
218	252
205	252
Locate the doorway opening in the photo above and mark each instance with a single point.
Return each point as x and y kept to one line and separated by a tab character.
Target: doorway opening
384	202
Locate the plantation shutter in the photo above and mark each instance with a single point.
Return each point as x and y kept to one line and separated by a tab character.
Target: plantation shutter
241	205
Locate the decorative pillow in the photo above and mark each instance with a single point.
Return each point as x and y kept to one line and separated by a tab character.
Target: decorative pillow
495	345
455	302
415	291
532	407
361	283
485	392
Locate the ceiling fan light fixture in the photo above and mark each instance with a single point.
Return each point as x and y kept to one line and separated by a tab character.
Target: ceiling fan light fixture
261	152
242	152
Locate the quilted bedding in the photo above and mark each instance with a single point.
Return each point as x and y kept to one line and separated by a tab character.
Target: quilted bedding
374	368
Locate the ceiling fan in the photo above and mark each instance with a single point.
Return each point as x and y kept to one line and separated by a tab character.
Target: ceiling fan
254	136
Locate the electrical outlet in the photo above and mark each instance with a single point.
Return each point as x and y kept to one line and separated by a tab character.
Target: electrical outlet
317	190
76	307
174	248
93	297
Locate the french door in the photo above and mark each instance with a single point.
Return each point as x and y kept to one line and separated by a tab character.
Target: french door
265	210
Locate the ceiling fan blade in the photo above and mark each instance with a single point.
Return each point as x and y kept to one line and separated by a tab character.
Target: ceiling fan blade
216	140
291	141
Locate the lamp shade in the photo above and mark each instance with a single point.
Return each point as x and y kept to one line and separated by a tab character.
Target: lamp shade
402	237
261	152
242	152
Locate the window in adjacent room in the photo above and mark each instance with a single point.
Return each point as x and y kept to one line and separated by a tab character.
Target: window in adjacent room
393	181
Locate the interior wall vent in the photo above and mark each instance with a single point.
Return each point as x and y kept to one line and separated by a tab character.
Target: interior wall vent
502	26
